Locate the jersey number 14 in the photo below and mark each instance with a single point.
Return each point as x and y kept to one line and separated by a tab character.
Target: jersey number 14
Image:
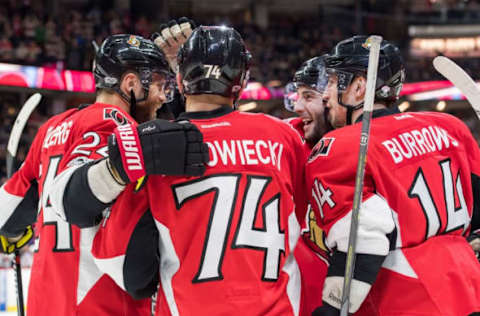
457	217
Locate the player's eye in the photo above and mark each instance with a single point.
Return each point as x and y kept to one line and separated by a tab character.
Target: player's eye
308	97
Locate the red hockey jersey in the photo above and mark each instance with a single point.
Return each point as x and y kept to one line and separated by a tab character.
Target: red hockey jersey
64	279
225	239
416	210
311	252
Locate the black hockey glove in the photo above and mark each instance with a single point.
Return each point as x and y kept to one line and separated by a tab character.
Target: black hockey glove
326	310
474	240
157	147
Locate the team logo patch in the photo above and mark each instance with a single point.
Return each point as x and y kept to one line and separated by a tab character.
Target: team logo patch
115	115
367	44
133	40
314	235
322	148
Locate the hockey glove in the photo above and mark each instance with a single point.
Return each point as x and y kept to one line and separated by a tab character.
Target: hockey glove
9	245
172	37
326	310
157	147
474	240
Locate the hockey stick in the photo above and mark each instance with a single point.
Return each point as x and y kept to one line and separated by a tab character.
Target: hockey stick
373	57
460	79
12	147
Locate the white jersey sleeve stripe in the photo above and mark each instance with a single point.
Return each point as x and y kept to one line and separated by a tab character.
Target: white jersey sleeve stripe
9	204
57	191
375	222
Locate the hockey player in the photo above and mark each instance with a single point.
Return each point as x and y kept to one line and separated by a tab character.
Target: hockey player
220	244
309	83
131	75
306	99
418	196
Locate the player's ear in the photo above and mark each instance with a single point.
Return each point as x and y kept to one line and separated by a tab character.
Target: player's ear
360	87
179	83
130	82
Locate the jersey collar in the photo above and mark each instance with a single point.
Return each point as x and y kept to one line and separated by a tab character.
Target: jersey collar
223	110
380	113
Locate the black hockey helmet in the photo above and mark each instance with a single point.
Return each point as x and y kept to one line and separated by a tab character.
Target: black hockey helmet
349	58
214	60
311	74
121	53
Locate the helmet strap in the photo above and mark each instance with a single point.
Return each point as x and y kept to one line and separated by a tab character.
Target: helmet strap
350	108
132	100
122	94
133	104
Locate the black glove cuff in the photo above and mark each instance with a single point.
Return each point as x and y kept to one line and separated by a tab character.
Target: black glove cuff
326	310
115	160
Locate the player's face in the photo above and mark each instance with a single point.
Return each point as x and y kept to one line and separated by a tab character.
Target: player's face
158	93
311	109
336	112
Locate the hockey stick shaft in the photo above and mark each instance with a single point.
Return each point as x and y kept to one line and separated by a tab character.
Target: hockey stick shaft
12	147
19	284
375	42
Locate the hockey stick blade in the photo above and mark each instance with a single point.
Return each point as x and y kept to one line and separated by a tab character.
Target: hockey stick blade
460	79
17	130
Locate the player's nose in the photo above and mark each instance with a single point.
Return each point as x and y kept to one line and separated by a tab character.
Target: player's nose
325	98
299	107
162	98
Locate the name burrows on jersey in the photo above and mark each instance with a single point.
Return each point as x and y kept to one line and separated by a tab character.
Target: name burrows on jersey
418	172
63	271
416	142
232	251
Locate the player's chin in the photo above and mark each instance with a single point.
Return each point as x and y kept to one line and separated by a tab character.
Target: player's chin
311	134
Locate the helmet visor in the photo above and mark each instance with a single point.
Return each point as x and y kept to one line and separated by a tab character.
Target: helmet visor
313	76
290	96
166	84
342	79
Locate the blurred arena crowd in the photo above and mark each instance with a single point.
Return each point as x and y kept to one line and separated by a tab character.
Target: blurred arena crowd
31	35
